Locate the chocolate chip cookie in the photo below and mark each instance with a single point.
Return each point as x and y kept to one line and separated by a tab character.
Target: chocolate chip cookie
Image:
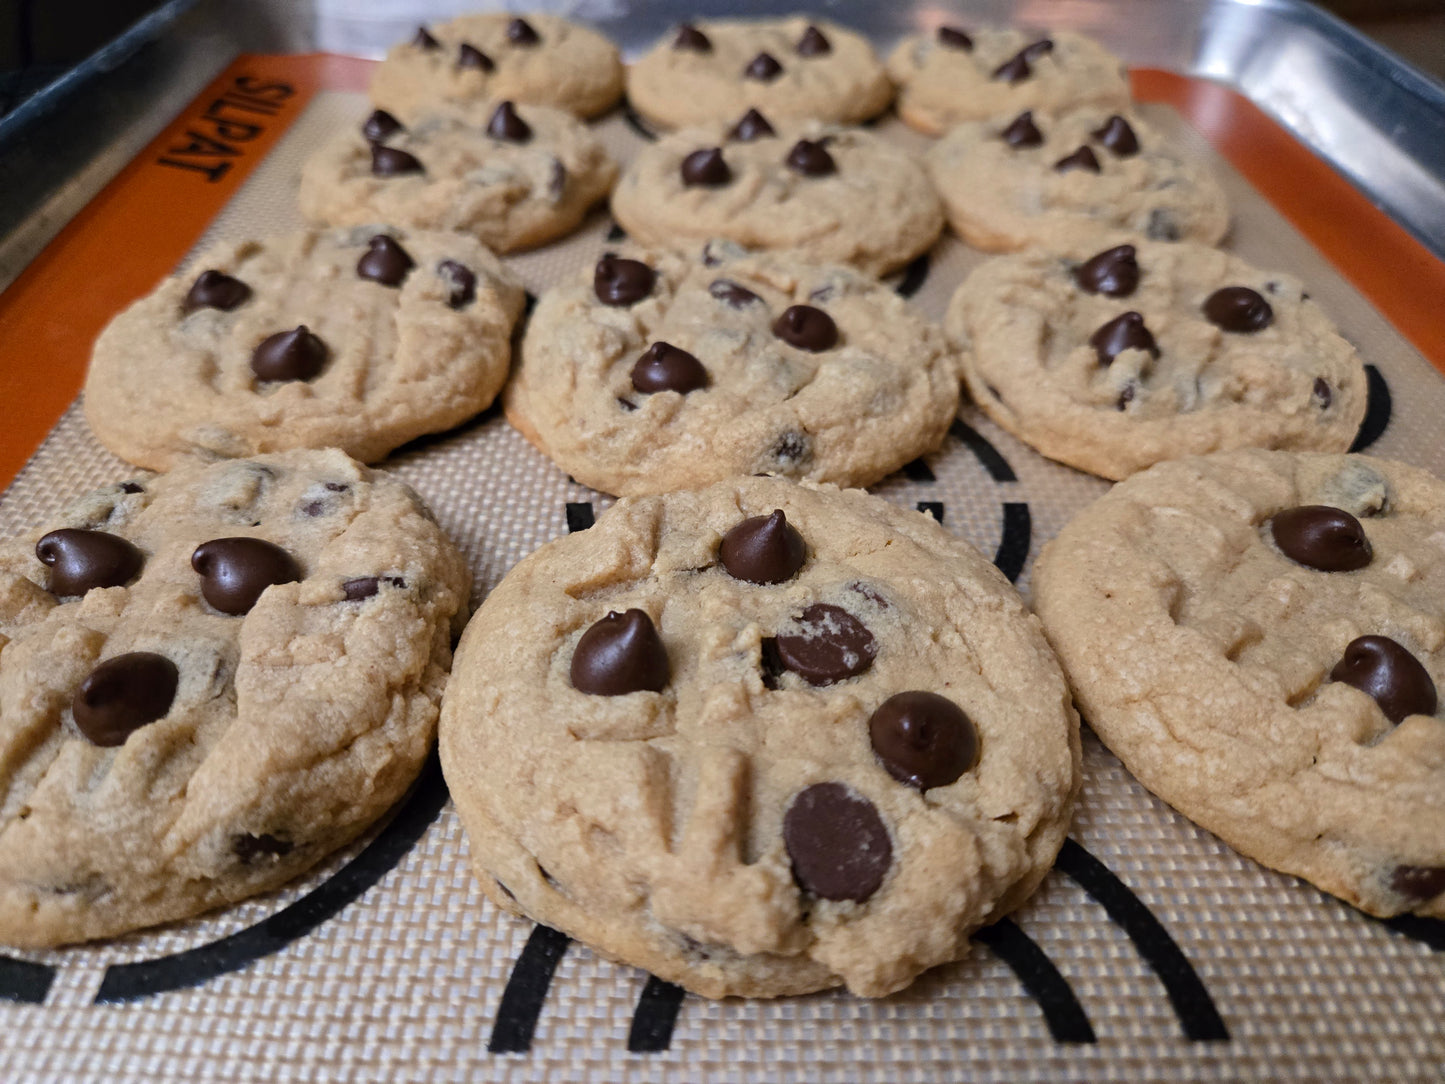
471	62
1260	637
211	679
528	175
1030	179
1112	360
970	73
835	195
760	739
652	372
359	339
791	69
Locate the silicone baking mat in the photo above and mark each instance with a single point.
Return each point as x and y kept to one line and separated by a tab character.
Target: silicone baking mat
1151	952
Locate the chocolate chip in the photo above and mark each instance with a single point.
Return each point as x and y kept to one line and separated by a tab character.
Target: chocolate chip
461	283
811	159
833	645
734	295
363	588
469	56
923	739
813	43
1126	332
289	355
557	179
1418	882
234	571
792	448
1022	132
1083	158
1014	70
122	694
1322	393
506	125
837	842
424	40
620	282
763	67
1321	537
706	168
1113	272
1036	50
335	487
666	368
392	162
763	549
79	560
1238	309
1162	225
384	261
215	290
380	126
1387	671
248	848
955	38
753	125
1118	136
806	328
1126	396
620	654
520	32
690	37
132	487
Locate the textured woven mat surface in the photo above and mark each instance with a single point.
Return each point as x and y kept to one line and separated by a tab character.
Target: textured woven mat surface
1149	943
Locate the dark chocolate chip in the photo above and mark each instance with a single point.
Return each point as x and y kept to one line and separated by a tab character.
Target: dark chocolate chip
621	282
392	161
620	654
1126	396
1125	332
1387	671
955	38
380	126
1118	136
1418	882
1083	158
384	261
706	168
215	290
690	37
763	67
736	296
833	645
1022	132
753	125
556	179
806	328
626	404
1036	50
763	549
1014	70
363	588
469	56
506	125
837	842
289	355
1162	225
813	43
132	487
79	560
234	571
1113	272
424	40
122	694
461	283
1238	309
1322	393
248	848
923	739
335	487
1320	537
811	159
520	32
663	367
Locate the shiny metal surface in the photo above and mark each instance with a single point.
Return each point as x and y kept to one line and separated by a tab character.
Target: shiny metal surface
1377	120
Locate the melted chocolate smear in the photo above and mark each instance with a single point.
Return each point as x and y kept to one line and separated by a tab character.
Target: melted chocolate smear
690	37
384	261
813	43
393	162
289	355
732	294
380	126
833	646
620	282
620	654
520	32
1083	158
806	328
763	549
837	842
1125	332
234	571
763	67
1321	537
1238	309
811	159
508	126
1386	670
753	125
706	168
123	694
1418	882
461	283
955	38
923	739
1118	137
215	290
80	560
470	57
1022	132
664	367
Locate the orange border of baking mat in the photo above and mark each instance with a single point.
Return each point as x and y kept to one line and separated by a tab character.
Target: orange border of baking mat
146	219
